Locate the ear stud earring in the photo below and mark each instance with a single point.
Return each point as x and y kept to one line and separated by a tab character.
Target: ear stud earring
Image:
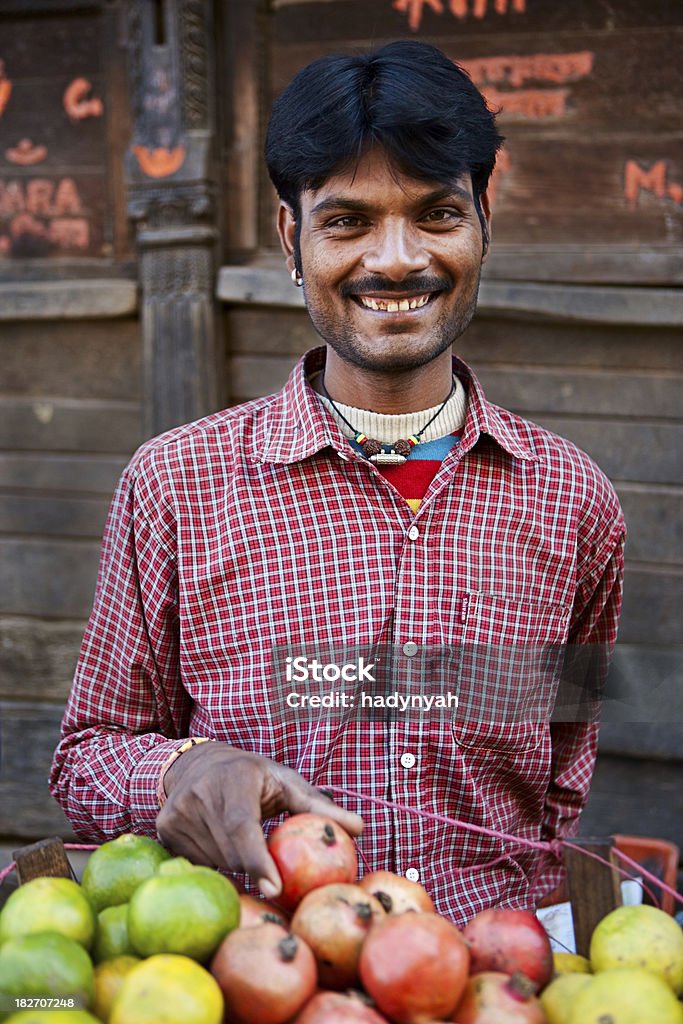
297	279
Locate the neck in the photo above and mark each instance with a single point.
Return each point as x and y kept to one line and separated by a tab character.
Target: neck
392	393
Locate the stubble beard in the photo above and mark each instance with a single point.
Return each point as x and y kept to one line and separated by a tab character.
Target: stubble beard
350	347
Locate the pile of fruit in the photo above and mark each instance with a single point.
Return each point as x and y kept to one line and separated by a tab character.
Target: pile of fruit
147	938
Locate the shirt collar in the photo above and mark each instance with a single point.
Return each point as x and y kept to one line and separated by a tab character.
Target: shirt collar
295	425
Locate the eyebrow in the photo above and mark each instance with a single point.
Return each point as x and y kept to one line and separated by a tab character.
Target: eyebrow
360	206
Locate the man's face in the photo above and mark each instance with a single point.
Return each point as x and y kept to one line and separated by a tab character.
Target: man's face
390	264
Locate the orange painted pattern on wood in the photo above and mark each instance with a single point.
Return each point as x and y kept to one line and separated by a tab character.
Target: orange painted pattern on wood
25	153
458	8
76	104
654	179
5	88
160	162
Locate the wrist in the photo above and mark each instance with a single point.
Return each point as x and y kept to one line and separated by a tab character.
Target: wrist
165	773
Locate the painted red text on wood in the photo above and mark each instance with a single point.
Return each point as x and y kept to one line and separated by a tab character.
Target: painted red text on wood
654	179
516	71
40	216
458	8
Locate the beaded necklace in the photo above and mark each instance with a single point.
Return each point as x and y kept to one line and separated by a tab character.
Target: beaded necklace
386	454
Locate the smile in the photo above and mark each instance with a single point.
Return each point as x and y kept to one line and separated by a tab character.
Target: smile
402	305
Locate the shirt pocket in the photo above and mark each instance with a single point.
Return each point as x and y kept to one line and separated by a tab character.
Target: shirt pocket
511	658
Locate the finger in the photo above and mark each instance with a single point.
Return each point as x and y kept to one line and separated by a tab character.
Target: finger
302	797
247	844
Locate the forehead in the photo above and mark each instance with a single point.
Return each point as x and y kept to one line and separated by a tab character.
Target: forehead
374	174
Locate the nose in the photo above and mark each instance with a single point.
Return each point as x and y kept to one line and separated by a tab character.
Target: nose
396	250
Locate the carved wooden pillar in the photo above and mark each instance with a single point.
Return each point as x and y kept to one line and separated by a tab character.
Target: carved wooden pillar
170	170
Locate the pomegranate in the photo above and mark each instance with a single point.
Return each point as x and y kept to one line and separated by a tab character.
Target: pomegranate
309	851
396	893
510	940
265	973
256	911
415	967
495	998
338	1008
334	922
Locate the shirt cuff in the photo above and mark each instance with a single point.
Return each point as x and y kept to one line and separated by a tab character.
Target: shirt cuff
144	778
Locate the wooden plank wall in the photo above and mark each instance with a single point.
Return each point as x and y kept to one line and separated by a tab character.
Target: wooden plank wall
70	365
70	416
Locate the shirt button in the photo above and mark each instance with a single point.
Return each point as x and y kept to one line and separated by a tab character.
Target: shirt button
407	760
413	875
413	533
410	649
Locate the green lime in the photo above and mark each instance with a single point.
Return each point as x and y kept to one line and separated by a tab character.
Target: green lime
188	913
49	905
176	866
46	965
111	938
115	870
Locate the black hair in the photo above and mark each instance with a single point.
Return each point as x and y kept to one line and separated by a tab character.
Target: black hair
407	97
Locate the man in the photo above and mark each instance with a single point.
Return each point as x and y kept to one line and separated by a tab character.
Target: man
378	502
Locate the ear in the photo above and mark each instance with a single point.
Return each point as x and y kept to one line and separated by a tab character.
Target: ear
486	210
286	229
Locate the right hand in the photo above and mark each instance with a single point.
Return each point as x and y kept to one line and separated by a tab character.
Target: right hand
217	797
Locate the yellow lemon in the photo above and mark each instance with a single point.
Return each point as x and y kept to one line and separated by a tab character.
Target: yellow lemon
557	997
571	963
48	905
641	937
115	870
109	977
625	997
188	913
168	989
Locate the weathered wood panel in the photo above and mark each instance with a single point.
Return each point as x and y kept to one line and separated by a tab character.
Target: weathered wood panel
53	516
37	658
29	733
636	797
59	424
655	524
651	612
609	393
59	473
638	450
80	359
48	578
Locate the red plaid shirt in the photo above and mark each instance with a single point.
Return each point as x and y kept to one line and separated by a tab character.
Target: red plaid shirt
259	528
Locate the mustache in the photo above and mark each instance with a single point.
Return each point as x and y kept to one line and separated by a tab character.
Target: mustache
418	284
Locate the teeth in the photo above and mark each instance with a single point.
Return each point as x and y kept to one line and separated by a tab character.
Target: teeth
393	305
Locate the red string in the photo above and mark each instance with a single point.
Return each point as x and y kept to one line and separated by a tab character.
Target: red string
553	847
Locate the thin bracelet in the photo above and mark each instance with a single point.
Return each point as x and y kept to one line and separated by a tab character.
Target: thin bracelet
193	741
